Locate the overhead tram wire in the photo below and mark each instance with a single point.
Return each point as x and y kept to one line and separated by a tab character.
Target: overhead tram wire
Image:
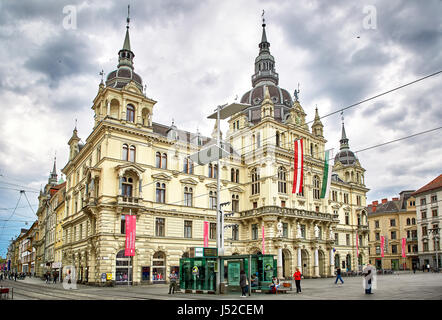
332	113
29	203
18	201
369	148
17	185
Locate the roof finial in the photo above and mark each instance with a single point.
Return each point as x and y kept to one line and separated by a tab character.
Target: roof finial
296	93
128	18
342	117
75	124
101	74
263	19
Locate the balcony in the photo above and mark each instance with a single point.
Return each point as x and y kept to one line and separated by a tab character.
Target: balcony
129	202
363	228
287	212
409	239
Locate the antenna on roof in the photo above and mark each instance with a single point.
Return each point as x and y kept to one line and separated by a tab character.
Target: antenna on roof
128	18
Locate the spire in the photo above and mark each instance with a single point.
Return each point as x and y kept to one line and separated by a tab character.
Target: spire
53	175
264	62
125	55
317	126
344	139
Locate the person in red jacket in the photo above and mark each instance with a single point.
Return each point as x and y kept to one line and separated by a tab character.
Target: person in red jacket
297	277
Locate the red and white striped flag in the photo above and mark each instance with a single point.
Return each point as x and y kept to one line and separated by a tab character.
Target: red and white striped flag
299	167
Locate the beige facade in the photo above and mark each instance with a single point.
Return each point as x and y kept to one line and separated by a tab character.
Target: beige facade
132	165
394	220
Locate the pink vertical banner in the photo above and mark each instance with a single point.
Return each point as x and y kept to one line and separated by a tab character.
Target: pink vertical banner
357	244
206	234
263	241
382	246
131	222
404	241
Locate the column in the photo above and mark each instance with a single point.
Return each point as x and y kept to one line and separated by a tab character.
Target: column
108	108
332	262
299	260
279	260
316	266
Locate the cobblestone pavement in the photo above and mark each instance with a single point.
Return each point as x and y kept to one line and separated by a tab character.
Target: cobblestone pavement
420	286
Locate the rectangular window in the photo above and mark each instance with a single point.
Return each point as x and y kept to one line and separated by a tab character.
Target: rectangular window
376	224
424	231
255	205
434	198
424	214
358	200
187	229
423	201
392	222
336	238
235	232
346	198
212	233
394	248
393	235
434	212
425	246
123	224
285	230
160	227
347	239
377	236
235	205
254	231
282	204
303	231
347	218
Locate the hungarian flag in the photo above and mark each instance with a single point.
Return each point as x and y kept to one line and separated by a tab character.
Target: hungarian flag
299	167
326	178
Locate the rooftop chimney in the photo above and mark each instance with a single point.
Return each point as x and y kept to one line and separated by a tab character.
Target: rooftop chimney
395	199
384	200
375	203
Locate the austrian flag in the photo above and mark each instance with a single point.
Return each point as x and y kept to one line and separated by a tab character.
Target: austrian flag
299	167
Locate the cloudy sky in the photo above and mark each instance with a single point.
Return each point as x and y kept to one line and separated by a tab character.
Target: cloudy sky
195	55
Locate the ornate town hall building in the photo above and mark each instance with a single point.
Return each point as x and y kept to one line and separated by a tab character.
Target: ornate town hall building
132	165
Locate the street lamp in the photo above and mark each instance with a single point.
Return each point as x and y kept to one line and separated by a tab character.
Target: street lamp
435	233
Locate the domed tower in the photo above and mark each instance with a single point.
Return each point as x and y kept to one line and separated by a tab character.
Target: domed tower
264	77
125	68
347	165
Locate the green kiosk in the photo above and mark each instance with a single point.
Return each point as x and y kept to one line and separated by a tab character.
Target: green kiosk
198	272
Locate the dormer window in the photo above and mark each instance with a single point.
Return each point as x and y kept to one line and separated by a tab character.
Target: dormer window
130	113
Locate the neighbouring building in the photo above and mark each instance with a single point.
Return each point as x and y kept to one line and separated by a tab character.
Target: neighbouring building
132	165
393	220
27	252
429	208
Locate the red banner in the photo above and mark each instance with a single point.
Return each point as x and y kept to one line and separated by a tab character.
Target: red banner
263	241
298	170
382	246
404	241
206	234
131	222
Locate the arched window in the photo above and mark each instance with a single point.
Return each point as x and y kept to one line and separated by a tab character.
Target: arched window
347	218
277	138
132	153
188	195
311	149
316	184
237	176
127	187
130	113
232	175
408	221
161	192
164	161
282	181
255	181
413	221
215	171
210	170
125	152
158	160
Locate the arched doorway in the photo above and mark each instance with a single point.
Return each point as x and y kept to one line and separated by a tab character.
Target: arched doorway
348	262
321	261
159	267
123	269
305	263
286	264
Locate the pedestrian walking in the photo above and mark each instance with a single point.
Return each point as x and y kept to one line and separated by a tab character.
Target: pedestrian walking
15	276
428	267
172	286
55	276
243	283
338	275
414	268
368	276
297	275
